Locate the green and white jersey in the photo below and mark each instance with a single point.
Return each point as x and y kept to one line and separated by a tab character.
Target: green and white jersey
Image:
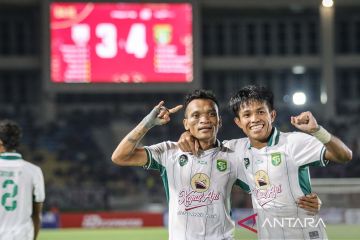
21	183
278	175
198	189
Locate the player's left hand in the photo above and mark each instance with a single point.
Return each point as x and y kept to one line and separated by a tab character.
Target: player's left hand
305	122
159	115
311	203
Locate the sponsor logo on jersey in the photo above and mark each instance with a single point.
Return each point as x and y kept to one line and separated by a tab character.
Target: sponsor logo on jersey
264	191
259	161
198	196
276	159
246	162
268	195
200	182
183	159
202	162
221	165
192	200
262	179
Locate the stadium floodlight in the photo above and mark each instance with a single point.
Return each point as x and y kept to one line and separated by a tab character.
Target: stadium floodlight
323	97
327	3
298	69
299	98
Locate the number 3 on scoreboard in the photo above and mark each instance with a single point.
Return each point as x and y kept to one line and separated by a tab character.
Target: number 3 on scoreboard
108	34
7	198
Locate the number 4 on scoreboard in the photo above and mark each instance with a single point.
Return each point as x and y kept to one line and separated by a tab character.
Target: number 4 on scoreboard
136	41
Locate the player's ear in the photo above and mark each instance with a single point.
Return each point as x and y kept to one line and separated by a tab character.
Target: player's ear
185	122
273	115
237	122
220	122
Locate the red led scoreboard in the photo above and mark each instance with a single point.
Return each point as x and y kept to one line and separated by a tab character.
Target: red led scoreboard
121	43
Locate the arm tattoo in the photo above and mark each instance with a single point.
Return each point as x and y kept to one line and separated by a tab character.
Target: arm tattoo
132	140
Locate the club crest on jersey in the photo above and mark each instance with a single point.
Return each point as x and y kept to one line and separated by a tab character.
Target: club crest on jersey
246	162
221	165
200	182
183	159
276	158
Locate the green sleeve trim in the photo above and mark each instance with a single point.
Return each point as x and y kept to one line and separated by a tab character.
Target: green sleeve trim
154	165
157	166
324	162
151	163
148	162
304	174
304	179
242	185
165	182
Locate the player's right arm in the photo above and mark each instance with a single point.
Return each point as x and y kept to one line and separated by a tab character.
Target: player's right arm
127	153
36	217
336	150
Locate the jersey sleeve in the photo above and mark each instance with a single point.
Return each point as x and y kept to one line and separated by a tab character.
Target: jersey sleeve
157	155
307	150
242	183
39	186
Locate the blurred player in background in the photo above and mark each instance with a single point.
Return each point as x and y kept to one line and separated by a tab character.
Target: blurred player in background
276	163
198	188
22	190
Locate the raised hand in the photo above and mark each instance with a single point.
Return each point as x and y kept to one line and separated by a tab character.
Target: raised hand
160	115
305	122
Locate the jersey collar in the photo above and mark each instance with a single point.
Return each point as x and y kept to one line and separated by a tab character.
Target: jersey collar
10	156
273	139
218	144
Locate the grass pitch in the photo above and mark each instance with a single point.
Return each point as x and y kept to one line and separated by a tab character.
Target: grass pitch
335	232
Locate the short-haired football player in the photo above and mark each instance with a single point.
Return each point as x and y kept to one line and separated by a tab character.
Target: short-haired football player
22	190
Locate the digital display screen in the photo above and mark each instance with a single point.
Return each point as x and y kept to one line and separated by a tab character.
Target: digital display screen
121	42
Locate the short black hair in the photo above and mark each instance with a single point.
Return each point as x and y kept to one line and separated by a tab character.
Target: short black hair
251	93
10	134
200	94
